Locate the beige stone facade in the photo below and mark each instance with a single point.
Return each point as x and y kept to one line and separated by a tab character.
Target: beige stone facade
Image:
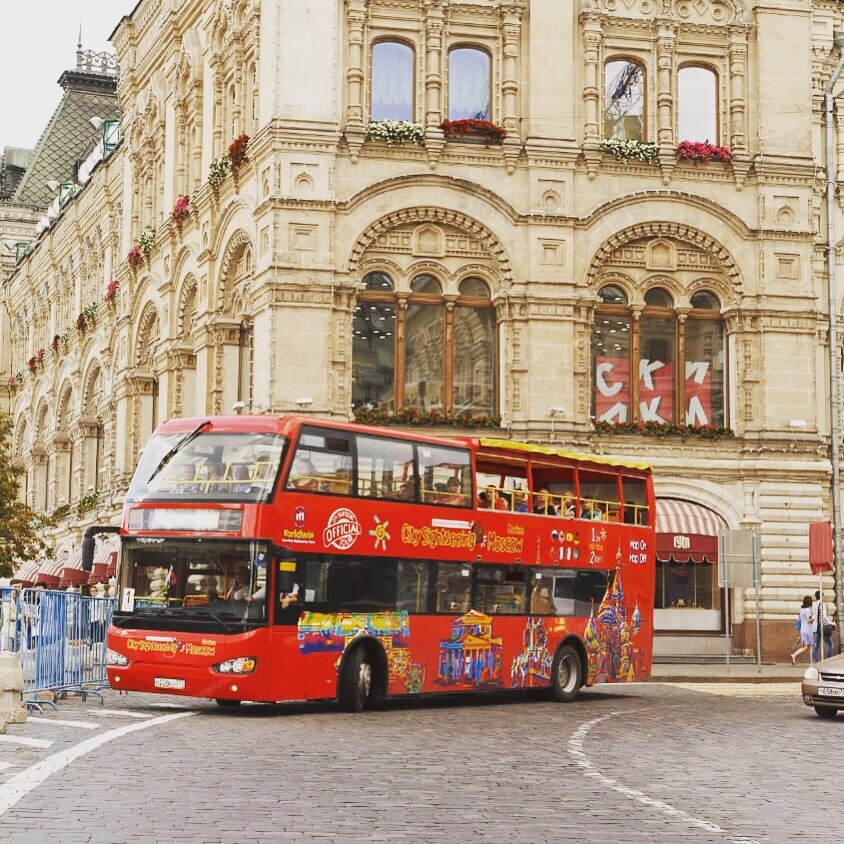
252	300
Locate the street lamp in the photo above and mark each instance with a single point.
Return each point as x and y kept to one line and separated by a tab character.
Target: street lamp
832	296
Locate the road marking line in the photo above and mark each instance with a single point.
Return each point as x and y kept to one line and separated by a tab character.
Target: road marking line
576	751
25	742
129	713
181	706
58	722
19	785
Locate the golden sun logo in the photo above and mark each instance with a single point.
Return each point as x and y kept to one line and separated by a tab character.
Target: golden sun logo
380	533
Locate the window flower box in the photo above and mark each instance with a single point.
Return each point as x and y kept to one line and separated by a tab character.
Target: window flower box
55	344
473	128
33	364
394	132
434	418
703	151
217	171
236	153
181	210
135	257
111	291
665	429
630	150
146	241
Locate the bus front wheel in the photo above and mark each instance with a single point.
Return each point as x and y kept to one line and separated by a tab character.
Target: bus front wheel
566	674
355	681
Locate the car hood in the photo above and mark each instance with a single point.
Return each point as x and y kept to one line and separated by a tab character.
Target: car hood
833	665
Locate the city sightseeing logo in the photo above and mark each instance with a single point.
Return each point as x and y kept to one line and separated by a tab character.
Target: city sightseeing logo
342	530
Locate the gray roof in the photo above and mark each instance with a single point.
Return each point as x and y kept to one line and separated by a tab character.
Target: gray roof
69	134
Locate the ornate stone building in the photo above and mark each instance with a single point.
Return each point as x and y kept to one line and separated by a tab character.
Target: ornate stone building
522	265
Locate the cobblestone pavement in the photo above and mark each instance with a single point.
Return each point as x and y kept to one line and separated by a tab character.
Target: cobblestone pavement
651	762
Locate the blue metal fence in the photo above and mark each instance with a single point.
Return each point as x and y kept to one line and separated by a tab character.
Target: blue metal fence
60	637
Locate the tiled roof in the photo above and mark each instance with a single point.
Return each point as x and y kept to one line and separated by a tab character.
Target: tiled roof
68	135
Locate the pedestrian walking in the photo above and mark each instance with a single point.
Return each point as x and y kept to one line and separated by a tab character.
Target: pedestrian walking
807	630
823	629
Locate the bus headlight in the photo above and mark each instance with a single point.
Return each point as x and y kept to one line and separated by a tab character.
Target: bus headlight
115	658
241	665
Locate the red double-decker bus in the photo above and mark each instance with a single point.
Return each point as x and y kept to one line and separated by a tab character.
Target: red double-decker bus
275	559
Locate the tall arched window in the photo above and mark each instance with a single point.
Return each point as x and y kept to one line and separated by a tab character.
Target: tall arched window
392	81
433	353
697	104
624	100
468	84
679	358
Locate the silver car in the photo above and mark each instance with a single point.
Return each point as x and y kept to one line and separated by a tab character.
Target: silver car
823	686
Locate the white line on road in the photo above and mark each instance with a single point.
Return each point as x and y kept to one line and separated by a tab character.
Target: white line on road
576	751
25	742
19	785
58	722
129	713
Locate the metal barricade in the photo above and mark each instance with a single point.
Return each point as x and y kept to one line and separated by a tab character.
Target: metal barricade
61	642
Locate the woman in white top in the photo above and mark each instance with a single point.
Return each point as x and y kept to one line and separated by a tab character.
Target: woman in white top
807	630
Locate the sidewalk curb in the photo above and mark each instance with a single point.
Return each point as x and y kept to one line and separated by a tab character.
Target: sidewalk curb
726	678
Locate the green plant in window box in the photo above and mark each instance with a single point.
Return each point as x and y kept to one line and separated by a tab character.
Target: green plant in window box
664	429
433	418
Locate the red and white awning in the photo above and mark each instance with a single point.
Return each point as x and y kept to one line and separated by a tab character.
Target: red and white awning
686	532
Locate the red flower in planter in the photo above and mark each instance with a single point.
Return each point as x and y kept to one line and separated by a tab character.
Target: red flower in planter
135	257
703	151
39	357
181	209
237	151
81	323
55	343
111	290
473	128
33	364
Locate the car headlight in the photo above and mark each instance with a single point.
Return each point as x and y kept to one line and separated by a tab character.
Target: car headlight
811	673
241	665
115	658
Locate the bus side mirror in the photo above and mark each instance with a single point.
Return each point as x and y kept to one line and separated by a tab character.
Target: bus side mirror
286	575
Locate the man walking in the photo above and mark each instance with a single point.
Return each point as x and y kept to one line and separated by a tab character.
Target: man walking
823	623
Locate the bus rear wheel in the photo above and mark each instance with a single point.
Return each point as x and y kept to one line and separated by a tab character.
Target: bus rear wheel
355	690
225	703
566	674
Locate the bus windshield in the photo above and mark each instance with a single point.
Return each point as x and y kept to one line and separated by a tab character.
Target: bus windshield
221	583
209	466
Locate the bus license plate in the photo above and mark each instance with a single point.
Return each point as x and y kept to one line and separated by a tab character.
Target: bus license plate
830	691
168	683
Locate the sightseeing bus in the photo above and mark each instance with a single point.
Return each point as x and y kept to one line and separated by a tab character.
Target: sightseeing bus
293	558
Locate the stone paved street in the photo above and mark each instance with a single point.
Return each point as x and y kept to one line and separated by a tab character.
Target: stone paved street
652	762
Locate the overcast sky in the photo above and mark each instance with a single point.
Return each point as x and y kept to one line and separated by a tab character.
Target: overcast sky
39	44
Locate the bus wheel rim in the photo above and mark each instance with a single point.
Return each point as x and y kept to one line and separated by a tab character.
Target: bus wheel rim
565	674
365	679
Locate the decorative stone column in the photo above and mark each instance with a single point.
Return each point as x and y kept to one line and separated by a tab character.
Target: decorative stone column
355	124
434	23
665	95
738	119
511	18
592	37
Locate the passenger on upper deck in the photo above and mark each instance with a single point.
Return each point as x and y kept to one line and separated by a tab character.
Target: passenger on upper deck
303	474
543	503
519	502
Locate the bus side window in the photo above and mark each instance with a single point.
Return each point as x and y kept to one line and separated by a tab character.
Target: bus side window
413	586
454	587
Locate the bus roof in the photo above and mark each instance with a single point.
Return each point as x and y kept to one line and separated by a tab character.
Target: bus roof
511	445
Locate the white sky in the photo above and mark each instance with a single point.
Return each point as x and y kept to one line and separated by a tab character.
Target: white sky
39	44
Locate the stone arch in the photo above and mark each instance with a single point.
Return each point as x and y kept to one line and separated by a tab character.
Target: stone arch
19	443
642	233
468	226
65	406
236	265
149	331
186	311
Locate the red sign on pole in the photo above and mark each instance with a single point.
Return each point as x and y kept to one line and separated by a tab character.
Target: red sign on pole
820	547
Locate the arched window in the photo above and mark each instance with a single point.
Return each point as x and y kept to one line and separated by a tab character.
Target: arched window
245	369
430	354
697	104
392	81
624	100
468	84
679	359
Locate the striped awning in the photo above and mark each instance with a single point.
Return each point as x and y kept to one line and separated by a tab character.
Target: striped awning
686	532
25	575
